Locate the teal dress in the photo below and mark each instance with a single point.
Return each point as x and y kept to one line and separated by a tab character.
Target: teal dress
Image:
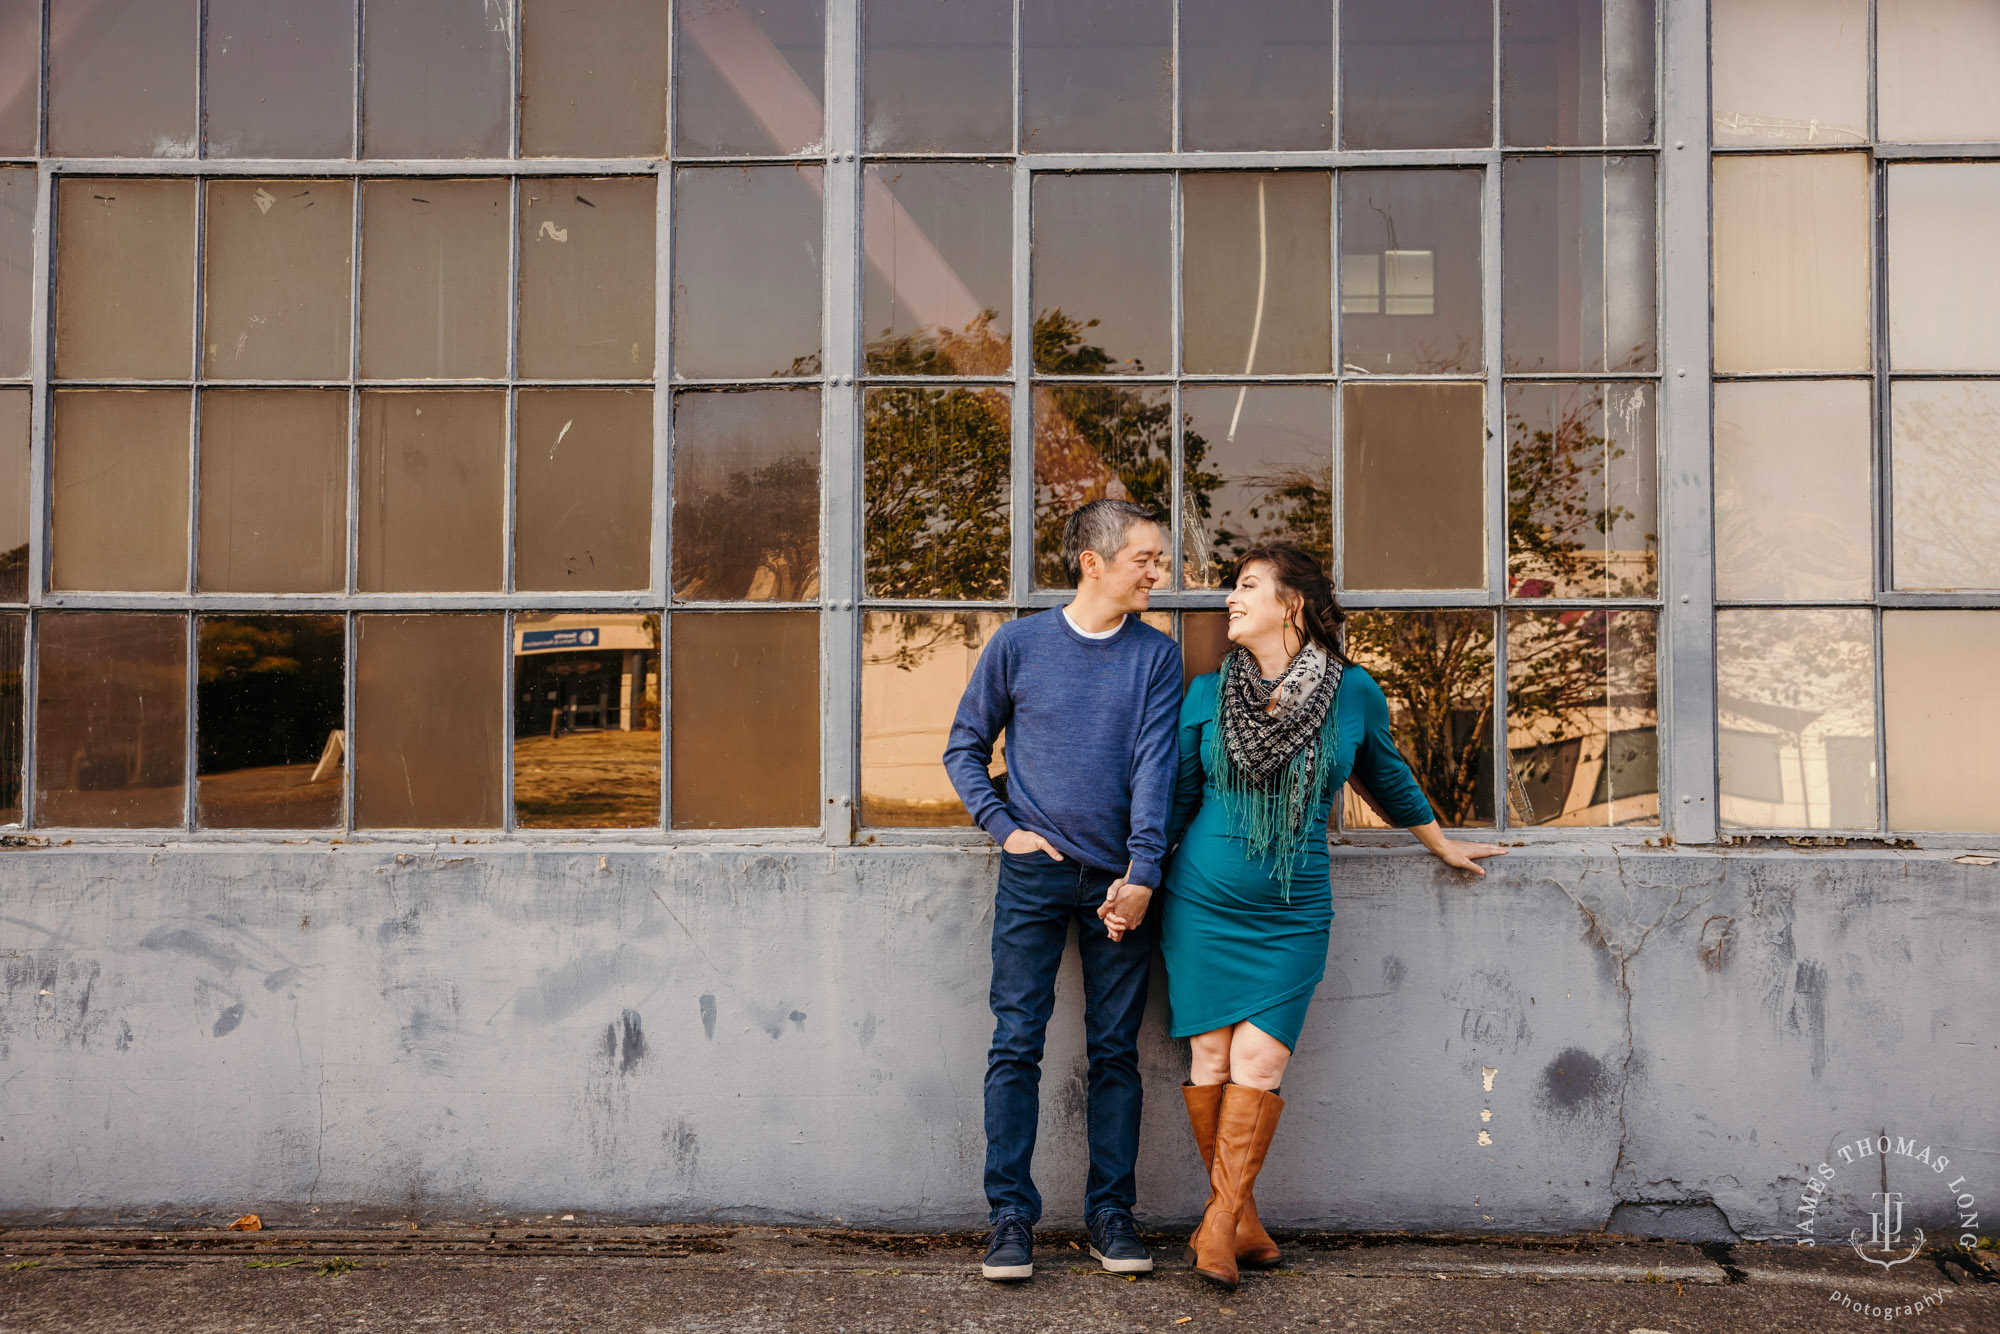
1235	949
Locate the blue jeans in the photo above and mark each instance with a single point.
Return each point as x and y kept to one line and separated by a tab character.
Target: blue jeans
1037	899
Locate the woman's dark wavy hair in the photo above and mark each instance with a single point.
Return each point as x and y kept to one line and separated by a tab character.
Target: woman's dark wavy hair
1301	574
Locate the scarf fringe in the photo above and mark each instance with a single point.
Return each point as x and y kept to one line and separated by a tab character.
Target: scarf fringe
1271	819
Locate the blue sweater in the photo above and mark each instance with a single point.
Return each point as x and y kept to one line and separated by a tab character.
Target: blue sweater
1091	750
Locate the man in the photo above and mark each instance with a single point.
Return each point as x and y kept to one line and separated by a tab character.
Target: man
1088	696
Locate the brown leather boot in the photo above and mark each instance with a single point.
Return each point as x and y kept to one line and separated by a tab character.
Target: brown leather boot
1254	1247
1243	1130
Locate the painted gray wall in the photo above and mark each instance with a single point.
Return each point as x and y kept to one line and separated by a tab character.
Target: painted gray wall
370	1032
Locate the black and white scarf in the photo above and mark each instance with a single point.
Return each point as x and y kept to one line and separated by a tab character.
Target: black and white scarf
1271	758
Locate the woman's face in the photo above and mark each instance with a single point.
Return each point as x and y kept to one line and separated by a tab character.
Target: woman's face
1257	605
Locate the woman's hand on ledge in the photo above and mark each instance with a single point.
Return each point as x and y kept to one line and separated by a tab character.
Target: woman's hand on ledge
1454	853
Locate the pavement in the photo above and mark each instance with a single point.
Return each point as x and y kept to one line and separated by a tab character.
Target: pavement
556	1276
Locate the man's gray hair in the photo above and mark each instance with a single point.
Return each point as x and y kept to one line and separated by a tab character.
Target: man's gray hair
1100	526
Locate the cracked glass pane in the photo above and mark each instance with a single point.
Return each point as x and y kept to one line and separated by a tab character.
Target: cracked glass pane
270	744
587	720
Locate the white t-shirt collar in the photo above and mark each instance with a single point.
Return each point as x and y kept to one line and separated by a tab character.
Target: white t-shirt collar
1092	634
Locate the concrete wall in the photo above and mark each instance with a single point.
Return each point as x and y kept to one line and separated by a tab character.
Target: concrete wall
371	1032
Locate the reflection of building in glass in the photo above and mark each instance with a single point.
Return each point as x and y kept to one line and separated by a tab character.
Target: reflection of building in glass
585	671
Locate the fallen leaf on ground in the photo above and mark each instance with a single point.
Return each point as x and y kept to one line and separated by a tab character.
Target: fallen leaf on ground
247	1223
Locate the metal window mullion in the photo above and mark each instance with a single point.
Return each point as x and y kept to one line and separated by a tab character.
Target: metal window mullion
1687	538
1881	437
42	95
188	575
1494	457
1174	92
840	452
41	413
351	530
1022	455
1337	476
1177	536
663	449
360	79
516	54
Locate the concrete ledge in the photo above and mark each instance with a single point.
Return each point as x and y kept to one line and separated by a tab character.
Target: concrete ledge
362	1033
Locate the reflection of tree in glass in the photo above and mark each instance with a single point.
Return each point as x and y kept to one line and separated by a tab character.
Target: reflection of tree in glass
973	350
1585	672
914	636
935	469
1436	667
1295	505
270	690
1560	511
1094	441
756	536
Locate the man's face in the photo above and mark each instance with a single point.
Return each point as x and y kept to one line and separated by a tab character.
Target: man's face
1127	579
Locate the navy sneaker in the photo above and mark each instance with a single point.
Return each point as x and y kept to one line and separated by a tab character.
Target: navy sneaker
1010	1251
1115	1244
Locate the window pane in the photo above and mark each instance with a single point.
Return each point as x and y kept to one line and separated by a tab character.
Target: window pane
914	667
1795	701
269	738
1582	718
1582	491
936	478
1416	73
111	720
1410	272
939	78
1256	76
1576	71
1204	642
1791	262
1934	69
1413	502
1941	719
125	279
1092	442
1257	467
746	495
939	281
121	77
273	491
746	239
752	76
280	79
431	490
434	279
587	277
1101	279
1792	508
1944	272
746	720
1096	76
1436	667
20	78
1256	279
1790	71
13	711
14	409
427	715
17	262
1578	264
593	78
438	78
587	720
583	483
1945	442
120	484
278	268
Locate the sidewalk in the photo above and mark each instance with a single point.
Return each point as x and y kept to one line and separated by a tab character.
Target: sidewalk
560	1276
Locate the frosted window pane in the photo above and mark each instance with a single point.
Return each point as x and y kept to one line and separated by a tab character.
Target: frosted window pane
1941	718
1790	71
1934	64
1944	266
1791	263
1945	443
1792	508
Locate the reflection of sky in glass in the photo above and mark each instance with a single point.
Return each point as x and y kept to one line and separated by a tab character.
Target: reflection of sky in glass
1795	707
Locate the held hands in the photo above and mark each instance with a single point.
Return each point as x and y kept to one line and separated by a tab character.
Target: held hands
1024	841
1124	907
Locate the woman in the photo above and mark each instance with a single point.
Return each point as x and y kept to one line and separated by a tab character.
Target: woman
1265	744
